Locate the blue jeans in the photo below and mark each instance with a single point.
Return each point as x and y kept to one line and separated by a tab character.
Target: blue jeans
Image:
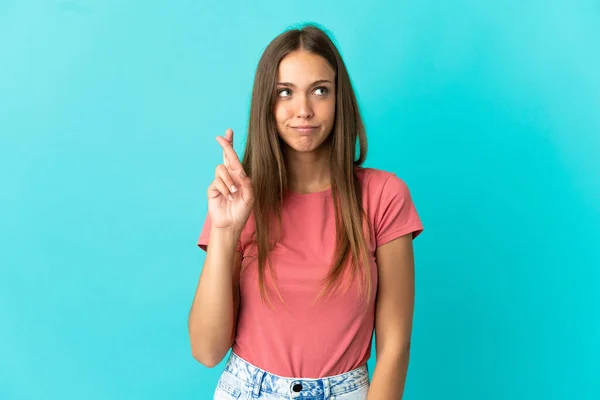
243	381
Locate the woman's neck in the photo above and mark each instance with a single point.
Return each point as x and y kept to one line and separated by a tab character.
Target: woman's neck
308	172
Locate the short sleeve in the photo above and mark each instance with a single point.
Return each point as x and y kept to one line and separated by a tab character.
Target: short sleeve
205	236
396	213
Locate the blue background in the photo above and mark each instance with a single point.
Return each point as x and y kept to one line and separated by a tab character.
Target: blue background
490	111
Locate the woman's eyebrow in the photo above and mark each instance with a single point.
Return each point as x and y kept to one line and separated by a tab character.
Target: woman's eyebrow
320	81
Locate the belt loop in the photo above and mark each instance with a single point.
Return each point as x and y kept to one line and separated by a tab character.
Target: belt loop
258	379
326	388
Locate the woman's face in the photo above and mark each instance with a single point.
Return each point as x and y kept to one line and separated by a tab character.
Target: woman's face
305	103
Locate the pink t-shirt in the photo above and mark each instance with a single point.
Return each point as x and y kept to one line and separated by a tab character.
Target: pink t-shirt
298	339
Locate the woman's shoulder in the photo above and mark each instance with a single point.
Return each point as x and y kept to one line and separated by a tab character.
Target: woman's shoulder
381	187
374	178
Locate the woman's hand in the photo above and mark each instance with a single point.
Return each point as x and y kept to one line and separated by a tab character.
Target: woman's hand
230	195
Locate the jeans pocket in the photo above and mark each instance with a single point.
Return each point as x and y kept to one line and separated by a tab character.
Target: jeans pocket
226	391
357	394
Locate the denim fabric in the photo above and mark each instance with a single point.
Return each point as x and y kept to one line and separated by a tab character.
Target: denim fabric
243	381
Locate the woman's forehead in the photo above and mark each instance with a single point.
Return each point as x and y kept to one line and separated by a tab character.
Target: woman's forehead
304	68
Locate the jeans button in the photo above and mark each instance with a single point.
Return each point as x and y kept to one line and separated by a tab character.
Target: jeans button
297	387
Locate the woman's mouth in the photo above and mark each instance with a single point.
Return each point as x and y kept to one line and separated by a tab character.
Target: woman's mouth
305	128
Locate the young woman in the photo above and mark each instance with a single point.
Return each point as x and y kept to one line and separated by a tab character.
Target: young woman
307	252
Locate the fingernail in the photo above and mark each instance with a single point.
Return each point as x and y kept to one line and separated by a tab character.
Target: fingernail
233	188
230	197
242	174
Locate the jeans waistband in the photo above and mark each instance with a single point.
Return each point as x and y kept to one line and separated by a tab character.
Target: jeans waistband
259	380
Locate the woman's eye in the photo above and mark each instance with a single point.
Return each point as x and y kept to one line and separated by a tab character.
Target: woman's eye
284	93
323	91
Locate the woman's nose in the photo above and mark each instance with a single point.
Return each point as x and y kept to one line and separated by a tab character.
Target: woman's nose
304	109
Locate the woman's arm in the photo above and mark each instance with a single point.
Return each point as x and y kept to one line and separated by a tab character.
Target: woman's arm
212	319
393	318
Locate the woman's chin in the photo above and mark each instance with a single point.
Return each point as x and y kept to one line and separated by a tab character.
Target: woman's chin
305	144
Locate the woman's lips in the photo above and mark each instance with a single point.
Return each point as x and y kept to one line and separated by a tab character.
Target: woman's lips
305	128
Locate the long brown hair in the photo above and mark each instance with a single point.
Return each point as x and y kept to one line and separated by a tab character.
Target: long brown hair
264	161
